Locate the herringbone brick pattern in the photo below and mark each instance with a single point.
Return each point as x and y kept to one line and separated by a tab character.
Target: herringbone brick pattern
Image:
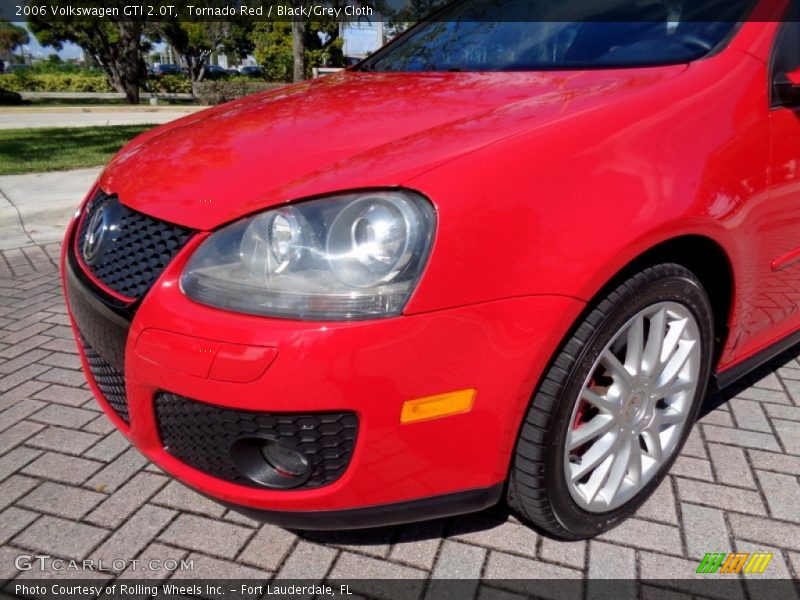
72	487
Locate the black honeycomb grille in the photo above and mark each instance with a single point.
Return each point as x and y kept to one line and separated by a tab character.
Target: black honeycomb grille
110	381
135	253
201	435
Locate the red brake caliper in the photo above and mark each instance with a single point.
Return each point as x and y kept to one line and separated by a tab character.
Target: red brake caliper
579	416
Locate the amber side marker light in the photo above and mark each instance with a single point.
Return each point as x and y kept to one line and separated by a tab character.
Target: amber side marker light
435	407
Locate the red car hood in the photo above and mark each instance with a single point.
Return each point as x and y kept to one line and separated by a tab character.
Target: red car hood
346	131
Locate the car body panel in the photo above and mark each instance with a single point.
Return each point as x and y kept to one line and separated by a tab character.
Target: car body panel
521	124
498	348
638	176
546	186
405	124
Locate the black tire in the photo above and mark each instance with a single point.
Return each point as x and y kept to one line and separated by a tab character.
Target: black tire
537	487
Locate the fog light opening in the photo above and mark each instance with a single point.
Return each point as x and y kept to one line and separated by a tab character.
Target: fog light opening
286	461
270	463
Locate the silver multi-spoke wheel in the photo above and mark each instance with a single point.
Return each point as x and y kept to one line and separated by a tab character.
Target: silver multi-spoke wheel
633	407
616	404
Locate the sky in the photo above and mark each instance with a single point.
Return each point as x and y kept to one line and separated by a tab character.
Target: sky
69	50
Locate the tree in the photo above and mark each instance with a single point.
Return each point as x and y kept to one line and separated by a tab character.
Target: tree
11	37
298	50
116	47
275	48
306	48
196	41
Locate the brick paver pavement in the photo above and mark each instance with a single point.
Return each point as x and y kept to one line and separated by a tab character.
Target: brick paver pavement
72	487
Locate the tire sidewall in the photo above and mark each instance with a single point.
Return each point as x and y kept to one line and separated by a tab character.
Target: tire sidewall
682	289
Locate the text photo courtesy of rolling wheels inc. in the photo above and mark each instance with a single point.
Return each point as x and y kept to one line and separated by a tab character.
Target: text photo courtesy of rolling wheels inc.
400	300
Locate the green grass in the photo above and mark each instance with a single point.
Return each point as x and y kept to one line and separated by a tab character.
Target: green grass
60	148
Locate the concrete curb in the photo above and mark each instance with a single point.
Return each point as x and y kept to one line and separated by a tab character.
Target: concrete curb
103	108
103	96
35	208
34	118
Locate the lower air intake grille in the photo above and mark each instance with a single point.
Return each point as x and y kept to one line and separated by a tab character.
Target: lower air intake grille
110	381
201	435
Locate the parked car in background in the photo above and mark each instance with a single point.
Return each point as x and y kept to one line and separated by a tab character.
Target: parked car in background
488	262
166	69
215	72
252	71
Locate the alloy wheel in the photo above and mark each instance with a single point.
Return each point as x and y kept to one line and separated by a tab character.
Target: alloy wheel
633	407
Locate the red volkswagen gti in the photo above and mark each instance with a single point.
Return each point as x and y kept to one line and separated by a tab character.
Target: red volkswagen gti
493	261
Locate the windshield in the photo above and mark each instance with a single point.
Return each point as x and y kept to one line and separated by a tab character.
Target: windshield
526	35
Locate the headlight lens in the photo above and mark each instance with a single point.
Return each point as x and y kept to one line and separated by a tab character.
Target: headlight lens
350	256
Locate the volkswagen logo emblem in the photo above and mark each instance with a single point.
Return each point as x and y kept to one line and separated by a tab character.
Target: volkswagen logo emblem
96	230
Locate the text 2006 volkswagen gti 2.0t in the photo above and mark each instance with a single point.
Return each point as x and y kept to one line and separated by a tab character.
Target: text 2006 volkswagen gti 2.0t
492	262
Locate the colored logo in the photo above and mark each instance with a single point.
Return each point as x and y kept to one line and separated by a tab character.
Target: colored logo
735	562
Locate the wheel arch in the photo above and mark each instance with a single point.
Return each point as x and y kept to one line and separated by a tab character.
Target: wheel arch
533	465
704	257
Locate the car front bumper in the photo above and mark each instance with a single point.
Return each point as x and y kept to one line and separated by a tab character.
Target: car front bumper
395	472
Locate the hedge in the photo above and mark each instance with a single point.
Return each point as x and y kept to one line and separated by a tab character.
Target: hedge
168	84
27	81
217	92
22	81
208	92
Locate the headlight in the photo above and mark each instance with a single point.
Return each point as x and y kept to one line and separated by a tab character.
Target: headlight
350	256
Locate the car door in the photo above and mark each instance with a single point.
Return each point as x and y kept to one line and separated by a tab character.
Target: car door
778	297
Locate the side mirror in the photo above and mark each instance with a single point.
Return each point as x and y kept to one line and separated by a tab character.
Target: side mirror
787	88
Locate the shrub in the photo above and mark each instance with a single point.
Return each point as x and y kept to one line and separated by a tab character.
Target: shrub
50	66
12	81
31	81
168	84
217	92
